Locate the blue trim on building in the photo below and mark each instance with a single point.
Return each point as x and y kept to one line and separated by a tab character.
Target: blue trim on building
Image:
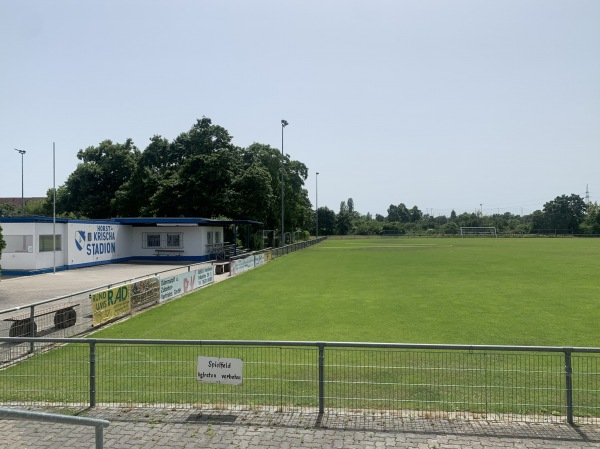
164	259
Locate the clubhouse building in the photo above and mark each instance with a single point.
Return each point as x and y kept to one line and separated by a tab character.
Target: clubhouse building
43	244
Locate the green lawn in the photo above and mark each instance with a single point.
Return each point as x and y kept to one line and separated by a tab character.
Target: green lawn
464	291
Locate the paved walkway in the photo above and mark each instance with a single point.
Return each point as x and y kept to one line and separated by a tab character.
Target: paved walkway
24	290
146	428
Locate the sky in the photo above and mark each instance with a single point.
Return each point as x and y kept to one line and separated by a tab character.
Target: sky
465	105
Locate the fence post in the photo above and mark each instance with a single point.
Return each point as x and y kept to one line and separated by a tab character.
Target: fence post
92	373
99	437
569	385
32	327
321	378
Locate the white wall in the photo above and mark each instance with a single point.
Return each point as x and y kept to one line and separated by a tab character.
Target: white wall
35	259
194	239
85	243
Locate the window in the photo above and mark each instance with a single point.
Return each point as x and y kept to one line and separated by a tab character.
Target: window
18	243
162	240
209	238
217	237
47	241
151	240
174	240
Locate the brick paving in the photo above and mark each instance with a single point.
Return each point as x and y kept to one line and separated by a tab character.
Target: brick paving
154	428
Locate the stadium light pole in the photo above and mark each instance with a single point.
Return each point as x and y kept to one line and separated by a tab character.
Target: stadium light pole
317	204
284	123
22	152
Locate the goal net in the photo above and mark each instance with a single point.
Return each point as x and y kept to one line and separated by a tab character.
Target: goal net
478	231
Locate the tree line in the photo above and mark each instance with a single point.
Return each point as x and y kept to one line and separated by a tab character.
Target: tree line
566	214
201	173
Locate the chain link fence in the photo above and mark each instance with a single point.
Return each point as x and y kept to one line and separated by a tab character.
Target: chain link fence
547	384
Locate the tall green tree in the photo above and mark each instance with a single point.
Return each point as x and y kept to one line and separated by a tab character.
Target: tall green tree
591	222
136	197
565	212
90	189
326	221
343	222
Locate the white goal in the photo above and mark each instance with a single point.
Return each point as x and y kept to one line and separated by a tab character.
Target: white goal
478	231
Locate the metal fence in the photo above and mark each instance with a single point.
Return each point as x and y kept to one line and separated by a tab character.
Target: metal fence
551	384
98	424
283	250
61	317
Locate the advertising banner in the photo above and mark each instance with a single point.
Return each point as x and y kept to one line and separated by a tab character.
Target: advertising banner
145	293
110	304
238	266
181	284
268	256
259	259
206	276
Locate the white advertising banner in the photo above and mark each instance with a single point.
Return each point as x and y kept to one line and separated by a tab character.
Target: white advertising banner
217	370
259	259
206	275
174	286
238	266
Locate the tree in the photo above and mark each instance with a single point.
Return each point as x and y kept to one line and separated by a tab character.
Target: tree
253	194
8	210
565	212
591	222
326	221
415	214
403	213
90	189
393	215
136	197
343	222
2	242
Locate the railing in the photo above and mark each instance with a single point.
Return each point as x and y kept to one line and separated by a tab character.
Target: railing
516	383
63	316
282	250
98	424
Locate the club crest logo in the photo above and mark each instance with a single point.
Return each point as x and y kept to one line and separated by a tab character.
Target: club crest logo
80	239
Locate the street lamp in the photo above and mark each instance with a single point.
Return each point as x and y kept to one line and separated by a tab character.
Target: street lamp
22	152
317	203
284	123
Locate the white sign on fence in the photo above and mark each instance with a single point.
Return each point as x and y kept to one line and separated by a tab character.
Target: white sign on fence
216	370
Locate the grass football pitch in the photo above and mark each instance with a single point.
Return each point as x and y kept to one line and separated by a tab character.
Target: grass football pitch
472	291
540	292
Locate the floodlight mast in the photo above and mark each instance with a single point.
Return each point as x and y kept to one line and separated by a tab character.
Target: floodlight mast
317	205
22	152
284	123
